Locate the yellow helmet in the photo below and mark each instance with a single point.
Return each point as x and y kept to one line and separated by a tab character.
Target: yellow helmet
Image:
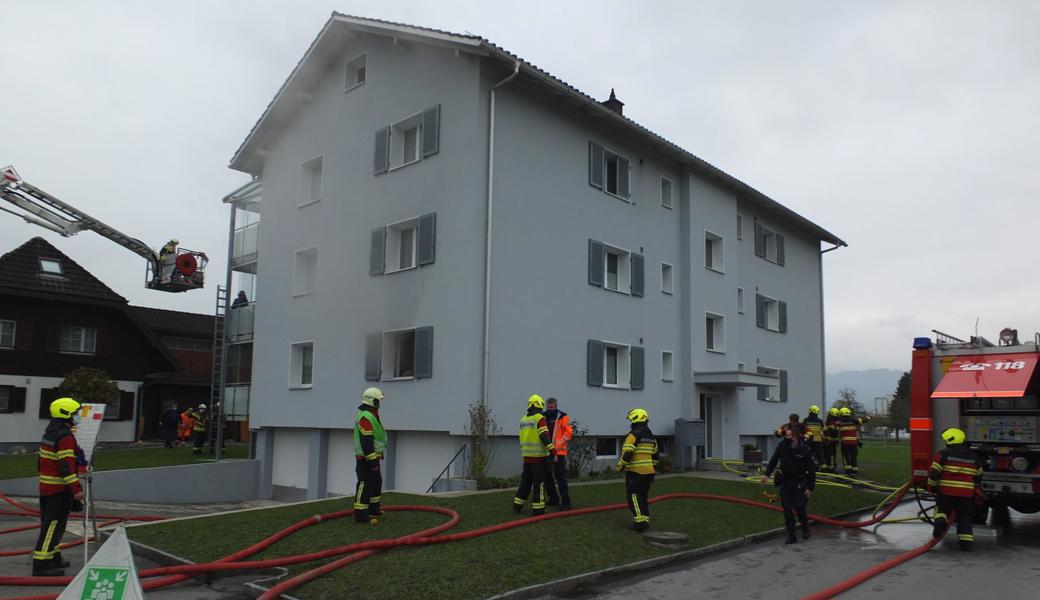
64	408
953	436
536	401
372	395
834	411
814	410
638	415
846	411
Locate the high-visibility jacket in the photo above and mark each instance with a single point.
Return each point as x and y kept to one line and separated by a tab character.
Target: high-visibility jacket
831	430
562	432
369	435
956	471
849	429
200	420
57	460
535	443
639	451
814	427
186	425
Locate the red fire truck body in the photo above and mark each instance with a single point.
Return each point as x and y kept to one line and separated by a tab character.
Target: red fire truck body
993	395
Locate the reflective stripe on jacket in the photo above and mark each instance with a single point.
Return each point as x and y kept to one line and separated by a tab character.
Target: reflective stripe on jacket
849	428
534	436
562	433
639	452
830	430
368	427
955	472
815	427
57	460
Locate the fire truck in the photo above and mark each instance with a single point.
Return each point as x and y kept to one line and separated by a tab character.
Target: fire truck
991	393
171	269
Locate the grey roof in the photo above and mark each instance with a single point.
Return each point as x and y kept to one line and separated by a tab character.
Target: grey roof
175	321
20	270
475	43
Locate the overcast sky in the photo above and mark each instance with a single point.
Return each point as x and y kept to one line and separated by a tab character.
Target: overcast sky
909	129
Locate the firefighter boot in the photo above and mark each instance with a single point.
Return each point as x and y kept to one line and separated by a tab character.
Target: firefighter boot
59	563
805	530
938	525
45	568
639	527
791	539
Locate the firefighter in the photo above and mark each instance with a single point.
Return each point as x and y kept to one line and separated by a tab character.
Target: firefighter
167	260
535	446
831	436
199	427
814	433
60	489
955	478
638	457
187	423
792	420
561	431
796	479
369	444
850	442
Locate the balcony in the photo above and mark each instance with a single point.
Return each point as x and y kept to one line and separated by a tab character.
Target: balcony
236	402
240	320
245	248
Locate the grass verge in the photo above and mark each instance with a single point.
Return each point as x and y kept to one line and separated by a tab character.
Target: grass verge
24	465
484	566
886	462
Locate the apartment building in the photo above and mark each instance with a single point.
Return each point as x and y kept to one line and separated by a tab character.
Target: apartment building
448	221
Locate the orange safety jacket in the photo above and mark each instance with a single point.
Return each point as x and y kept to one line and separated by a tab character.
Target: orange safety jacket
187	424
57	460
955	472
562	433
849	428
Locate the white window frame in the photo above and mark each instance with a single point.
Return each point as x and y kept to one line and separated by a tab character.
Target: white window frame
740	300
305	189
55	261
772	309
617	447
82	340
14	334
740	226
667	365
718	254
624	274
769	243
396	130
606	152
719	327
665	202
313	287
350	70
390	356
392	245
775	371
296	365
667	283
623	367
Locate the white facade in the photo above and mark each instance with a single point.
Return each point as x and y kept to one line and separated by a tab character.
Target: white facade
14	426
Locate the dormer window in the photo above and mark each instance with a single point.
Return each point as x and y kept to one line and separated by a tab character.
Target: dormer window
50	266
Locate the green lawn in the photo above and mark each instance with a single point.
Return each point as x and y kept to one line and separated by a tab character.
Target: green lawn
491	564
885	462
24	465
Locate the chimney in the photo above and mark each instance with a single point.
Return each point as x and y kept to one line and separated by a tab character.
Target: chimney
614	104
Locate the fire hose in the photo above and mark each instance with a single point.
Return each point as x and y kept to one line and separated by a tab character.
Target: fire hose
165	576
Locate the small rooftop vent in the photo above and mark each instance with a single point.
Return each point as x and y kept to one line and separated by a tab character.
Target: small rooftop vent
614	104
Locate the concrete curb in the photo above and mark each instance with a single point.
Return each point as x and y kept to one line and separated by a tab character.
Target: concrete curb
570	584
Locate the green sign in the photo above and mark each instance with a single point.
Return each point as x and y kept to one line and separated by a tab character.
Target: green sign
105	583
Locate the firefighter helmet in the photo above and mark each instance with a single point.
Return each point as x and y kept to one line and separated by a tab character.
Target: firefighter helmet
371	396
953	436
846	411
814	410
638	415
202	407
535	401
834	412
64	408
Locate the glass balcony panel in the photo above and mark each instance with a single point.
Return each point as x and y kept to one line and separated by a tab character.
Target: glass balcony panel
240	322
246	244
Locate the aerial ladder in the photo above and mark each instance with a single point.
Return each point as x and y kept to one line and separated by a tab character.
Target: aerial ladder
171	269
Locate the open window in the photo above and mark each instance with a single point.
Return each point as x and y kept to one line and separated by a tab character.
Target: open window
614	365
399	354
405	140
609	171
714	332
356	72
666	192
771	313
400	245
769	244
403	245
769	393
301	365
408	140
713	255
311	181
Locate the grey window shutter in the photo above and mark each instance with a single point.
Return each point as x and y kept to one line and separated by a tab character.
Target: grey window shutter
782	310
427	239
595	165
779	249
760	310
382	154
595	263
423	352
622	174
638	276
377	253
594	362
373	356
760	242
431	134
637	359
783	385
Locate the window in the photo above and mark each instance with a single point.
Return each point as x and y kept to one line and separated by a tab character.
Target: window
355	73
400	245
399	354
616	269
714	333
78	340
666	278
609	171
777	393
404	141
617	275
6	397
769	244
51	266
666	192
666	366
771	313
713	252
403	245
301	365
740	227
614	365
408	141
7	334
310	181
740	300
606	447
305	275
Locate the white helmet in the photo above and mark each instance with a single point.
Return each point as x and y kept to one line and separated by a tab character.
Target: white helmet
202	407
371	396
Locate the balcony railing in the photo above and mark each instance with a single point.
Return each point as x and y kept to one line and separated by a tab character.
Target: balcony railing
246	245
240	323
236	403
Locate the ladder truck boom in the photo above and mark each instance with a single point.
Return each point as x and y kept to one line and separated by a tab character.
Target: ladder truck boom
173	269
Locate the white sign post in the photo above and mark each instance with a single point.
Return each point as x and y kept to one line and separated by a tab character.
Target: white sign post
87	433
110	575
